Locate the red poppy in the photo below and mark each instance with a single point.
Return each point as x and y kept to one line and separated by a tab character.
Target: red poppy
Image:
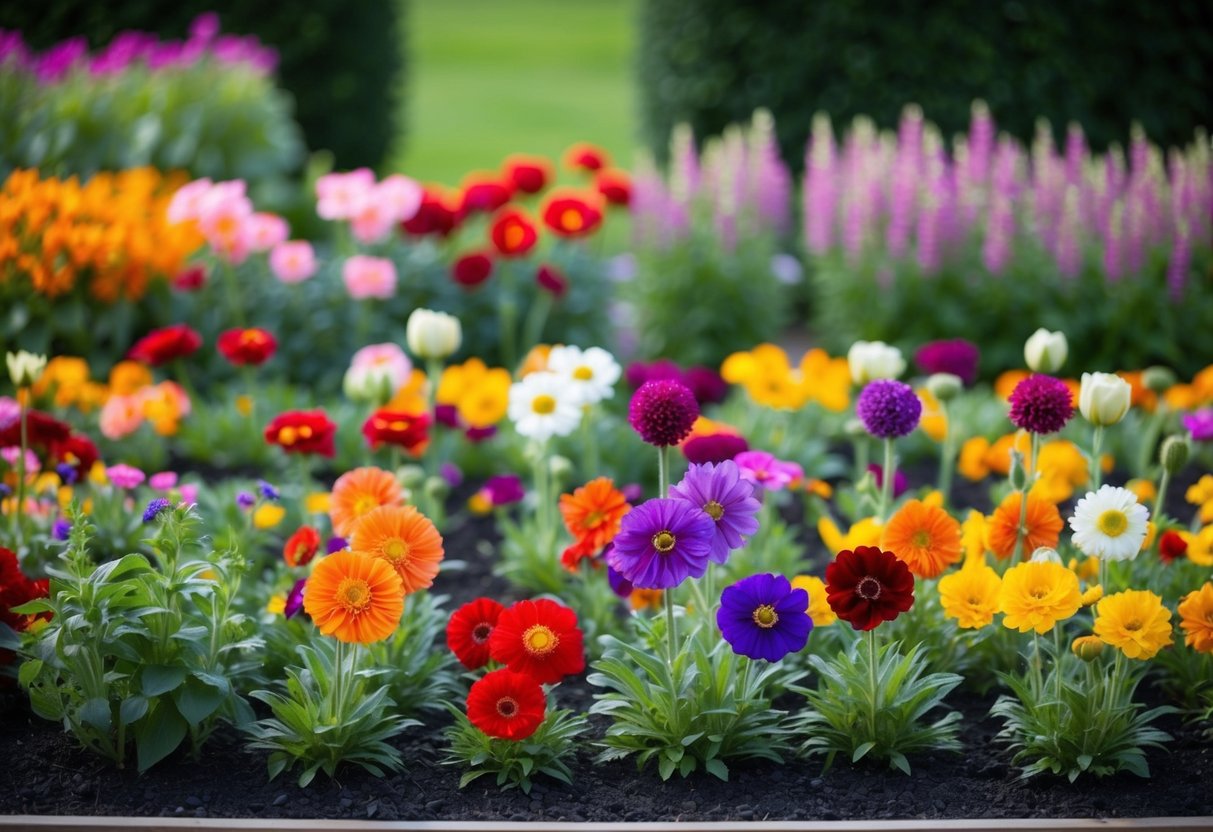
615	185
506	705
438	214
468	631
571	213
161	346
77	451
302	432
483	191
552	280
190	280
247	346
41	430
585	156
868	586
301	547
410	431
528	174
513	232
538	638
470	270
1171	547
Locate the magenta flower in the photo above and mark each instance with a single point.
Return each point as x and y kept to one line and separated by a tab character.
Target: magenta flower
765	470
716	447
1200	424
125	476
725	497
1041	404
958	357
661	543
503	490
163	481
662	412
900	483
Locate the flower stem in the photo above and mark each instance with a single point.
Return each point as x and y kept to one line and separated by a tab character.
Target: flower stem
589	443
1160	498
947	455
338	682
507	320
663	471
887	473
860	444
232	288
1096	468
670	636
872	682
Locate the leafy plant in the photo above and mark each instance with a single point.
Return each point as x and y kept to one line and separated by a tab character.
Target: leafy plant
515	763
418	677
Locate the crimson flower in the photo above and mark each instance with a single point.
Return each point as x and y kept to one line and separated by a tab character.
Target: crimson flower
41	430
469	629
301	547
615	186
586	156
552	280
438	215
302	432
161	346
484	192
472	269
570	213
538	638
513	232
247	347
528	174
506	705
410	431
867	586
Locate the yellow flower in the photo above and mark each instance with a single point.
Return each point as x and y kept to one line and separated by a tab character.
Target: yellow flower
933	421
411	397
97	475
1062	468
1135	622
1092	595
1196	618
480	394
244	405
65	376
819	608
972	461
1151	533
1086	569
1087	648
1201	491
970	595
826	380
1144	489
1036	595
864	533
129	377
1200	546
317	502
479	503
819	487
973	535
268	515
277	604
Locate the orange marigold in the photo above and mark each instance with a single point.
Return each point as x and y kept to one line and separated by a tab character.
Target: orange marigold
925	537
404	538
360	492
354	598
1043	524
593	513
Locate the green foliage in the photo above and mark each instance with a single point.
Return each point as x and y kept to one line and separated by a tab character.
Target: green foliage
514	763
1187	676
418	668
774	548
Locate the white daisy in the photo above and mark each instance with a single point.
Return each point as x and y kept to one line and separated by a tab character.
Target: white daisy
542	406
1109	524
590	374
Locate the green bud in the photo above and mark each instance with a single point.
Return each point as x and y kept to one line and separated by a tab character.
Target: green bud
945	386
1017	476
1173	453
411	477
1158	379
436	488
560	466
1087	648
855	429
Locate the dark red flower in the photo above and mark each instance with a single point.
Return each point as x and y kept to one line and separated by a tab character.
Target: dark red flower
868	586
506	705
302	432
251	347
615	185
570	213
77	451
706	384
538	638
16	589
41	430
161	346
1171	547
438	214
956	356
410	431
484	191
586	156
513	232
551	280
447	415
528	174
472	269
468	631
190	280
301	547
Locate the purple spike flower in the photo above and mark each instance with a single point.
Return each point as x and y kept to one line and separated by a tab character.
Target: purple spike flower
154	507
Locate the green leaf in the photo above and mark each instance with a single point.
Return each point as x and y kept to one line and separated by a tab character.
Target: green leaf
665	767
158	679
716	767
28	672
96	712
197	700
158	734
861	751
132	710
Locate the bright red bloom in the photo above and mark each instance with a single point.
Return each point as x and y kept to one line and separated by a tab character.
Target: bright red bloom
190	280
161	346
615	185
472	269
77	451
586	156
552	280
484	192
528	174
570	213
538	638
301	547
513	232
251	346
410	431
438	214
868	586
41	430
1171	547
16	589
302	432
506	705
469	629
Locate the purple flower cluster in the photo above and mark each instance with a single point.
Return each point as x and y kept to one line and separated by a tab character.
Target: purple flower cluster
888	408
662	412
1041	404
154	508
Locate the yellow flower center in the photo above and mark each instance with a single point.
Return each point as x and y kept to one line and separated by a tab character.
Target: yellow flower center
540	640
868	588
663	541
395	549
507	707
354	594
252	337
921	539
593	520
287	436
714	510
766	617
543	404
1113	522
1039	592
364	504
583	373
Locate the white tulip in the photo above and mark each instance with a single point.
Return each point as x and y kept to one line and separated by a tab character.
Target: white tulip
24	368
870	360
431	334
1046	351
1104	398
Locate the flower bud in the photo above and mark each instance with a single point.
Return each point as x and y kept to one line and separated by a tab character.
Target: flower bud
855	429
1044	554
1159	379
1092	595
432	334
436	488
1087	648
560	466
870	360
945	386
24	368
1104	398
1046	351
1173	453
411	476
1017	475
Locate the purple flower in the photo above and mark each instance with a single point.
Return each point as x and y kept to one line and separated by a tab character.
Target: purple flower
716	447
888	408
662	412
900	483
294	599
154	507
620	585
446	414
725	497
125	476
765	470
267	491
1200	425
335	544
764	618
504	489
706	384
61	528
245	500
67	473
480	434
638	372
662	543
450	472
958	357
633	492
1041	404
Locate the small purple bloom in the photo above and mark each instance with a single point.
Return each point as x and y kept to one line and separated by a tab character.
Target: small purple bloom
154	507
706	384
335	544
504	489
1200	425
888	408
633	492
957	356
480	434
450	472
1041	404
715	447
638	372
61	528
125	476
900	483
5	491
267	491
765	470
67	473
446	414
620	585
245	500
661	543
764	618
727	498
294	599
662	412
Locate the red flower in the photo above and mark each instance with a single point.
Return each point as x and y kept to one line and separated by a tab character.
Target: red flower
247	346
410	431
301	547
16	589
572	213
538	638
161	346
506	705
302	432
468	631
528	174
552	280
1171	547
615	185
41	430
438	214
472	269
190	280
585	156
868	586
484	192
513	232
77	451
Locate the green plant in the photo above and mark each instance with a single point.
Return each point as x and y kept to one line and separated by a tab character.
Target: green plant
514	763
418	677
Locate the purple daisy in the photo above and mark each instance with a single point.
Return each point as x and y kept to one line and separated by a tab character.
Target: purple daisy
957	356
764	618
1041	404
888	408
661	543
662	412
765	470
294	599
245	499
1200	425
715	447
267	490
725	497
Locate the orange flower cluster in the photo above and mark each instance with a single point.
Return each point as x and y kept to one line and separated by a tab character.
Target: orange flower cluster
111	231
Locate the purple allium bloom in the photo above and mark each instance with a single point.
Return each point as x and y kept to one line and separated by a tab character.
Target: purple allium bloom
765	470
706	384
294	599
61	528
245	500
764	618
900	482
716	447
446	414
335	544
620	585
504	489
450	472
267	491
662	412
154	507
638	372
1041	404
888	408
125	476
725	497
661	543
67	473
1200	425
957	356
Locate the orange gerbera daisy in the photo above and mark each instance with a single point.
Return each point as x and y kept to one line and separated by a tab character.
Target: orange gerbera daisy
1043	524
926	537
405	538
592	513
360	492
354	598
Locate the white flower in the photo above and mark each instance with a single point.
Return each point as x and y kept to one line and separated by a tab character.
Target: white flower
541	407
1104	398
432	334
1044	554
870	360
1046	351
590	374
24	368
1109	524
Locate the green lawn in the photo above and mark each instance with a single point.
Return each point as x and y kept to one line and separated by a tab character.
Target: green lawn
491	77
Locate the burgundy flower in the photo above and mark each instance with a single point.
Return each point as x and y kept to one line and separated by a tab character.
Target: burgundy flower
1041	404
957	356
867	586
472	269
161	346
662	412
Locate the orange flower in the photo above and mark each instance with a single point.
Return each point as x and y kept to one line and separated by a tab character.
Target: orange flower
405	538
354	598
360	492
592	513
1043	525
926	537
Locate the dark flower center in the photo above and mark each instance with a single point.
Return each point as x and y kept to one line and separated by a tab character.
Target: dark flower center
868	588
481	632
507	706
664	541
714	510
766	617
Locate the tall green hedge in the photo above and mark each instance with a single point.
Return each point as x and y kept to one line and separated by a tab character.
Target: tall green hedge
343	61
1102	63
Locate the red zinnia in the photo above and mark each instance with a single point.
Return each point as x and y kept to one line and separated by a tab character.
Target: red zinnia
247	346
1171	547
301	547
868	586
469	629
552	280
471	270
484	191
41	430
572	213
528	174
506	705
538	638
302	432
438	214
161	346
513	232
615	185
586	156
410	431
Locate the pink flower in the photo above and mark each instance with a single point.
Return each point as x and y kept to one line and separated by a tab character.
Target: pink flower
293	262
223	216
164	481
369	277
125	476
373	222
189	493
187	201
12	454
339	196
382	359
264	231
121	416
401	195
764	469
